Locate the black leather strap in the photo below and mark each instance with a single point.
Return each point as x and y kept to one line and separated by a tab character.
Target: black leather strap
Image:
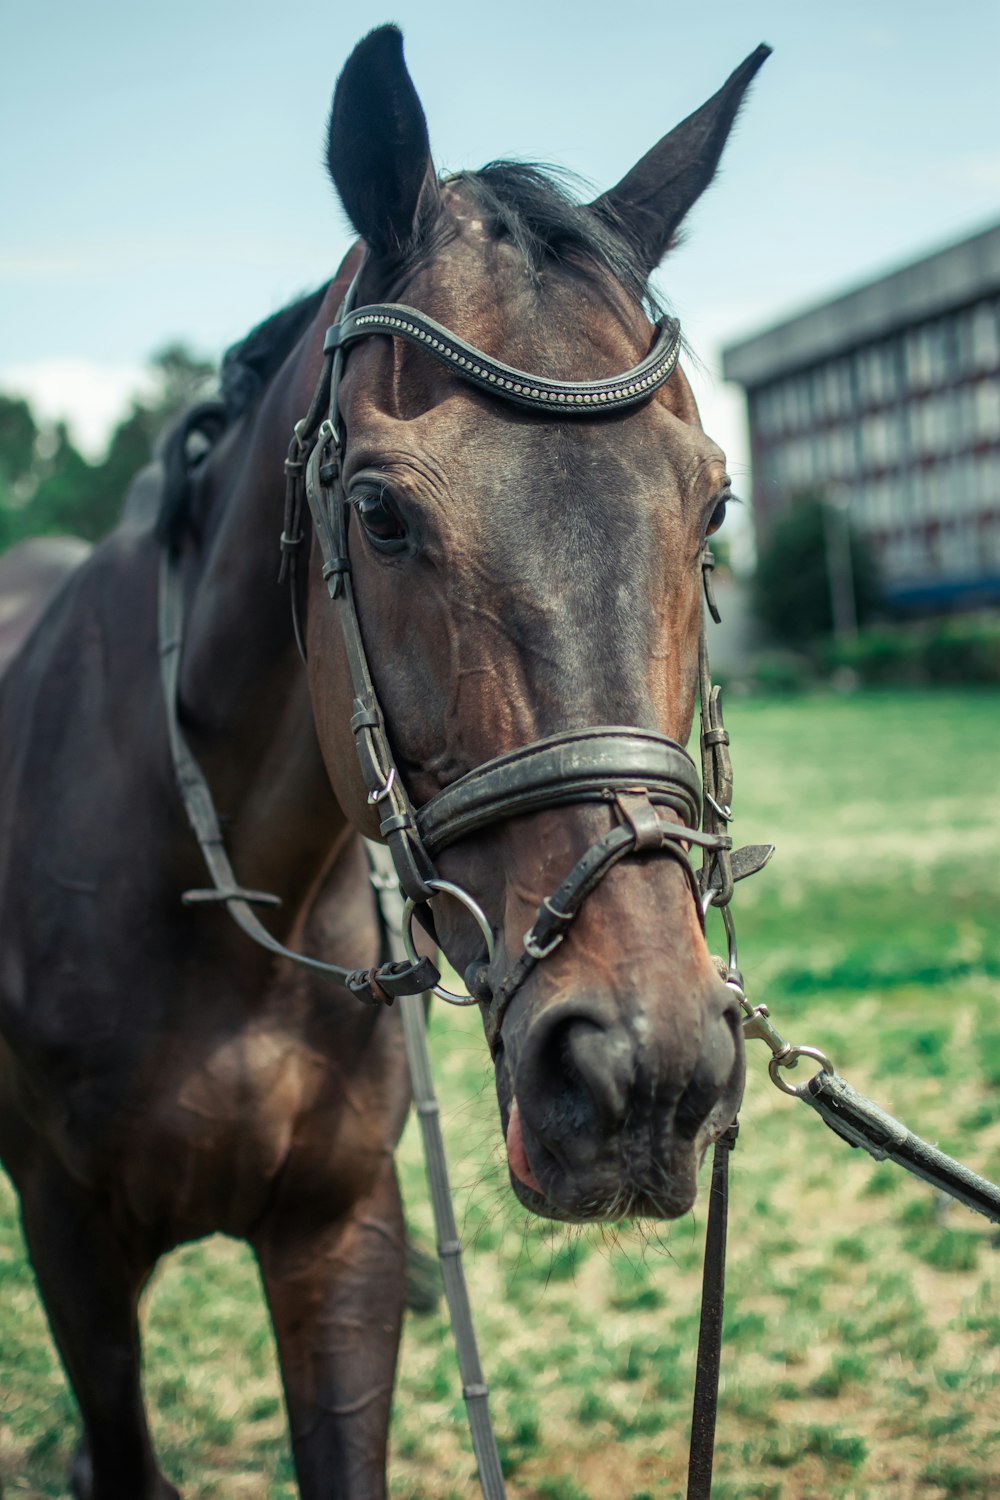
561	398
199	806
384	983
634	835
713	1289
861	1122
585	765
386	790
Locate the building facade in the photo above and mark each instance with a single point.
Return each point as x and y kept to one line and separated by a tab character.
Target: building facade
886	400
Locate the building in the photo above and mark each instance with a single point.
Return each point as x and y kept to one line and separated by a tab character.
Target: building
886	399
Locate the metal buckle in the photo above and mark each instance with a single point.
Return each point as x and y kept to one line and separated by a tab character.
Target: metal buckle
533	949
725	813
381	792
788	1059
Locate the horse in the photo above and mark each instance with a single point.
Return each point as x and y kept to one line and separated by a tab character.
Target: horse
522	559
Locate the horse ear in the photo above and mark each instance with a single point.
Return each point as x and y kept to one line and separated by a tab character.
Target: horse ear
378	152
651	200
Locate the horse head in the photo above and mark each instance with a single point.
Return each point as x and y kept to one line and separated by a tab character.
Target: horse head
527	578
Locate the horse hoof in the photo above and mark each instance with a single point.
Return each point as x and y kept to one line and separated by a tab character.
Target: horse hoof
81	1479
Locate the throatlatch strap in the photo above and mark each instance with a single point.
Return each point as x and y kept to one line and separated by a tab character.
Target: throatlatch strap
200	808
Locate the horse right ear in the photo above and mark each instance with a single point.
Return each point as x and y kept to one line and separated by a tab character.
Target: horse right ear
378	152
650	201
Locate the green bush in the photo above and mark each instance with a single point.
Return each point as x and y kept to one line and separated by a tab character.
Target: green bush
781	672
961	650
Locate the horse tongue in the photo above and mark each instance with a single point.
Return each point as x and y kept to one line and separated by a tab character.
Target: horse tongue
517	1157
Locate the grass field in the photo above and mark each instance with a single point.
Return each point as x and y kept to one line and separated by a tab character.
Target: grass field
863	1323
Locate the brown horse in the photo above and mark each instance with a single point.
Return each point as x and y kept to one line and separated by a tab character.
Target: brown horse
518	575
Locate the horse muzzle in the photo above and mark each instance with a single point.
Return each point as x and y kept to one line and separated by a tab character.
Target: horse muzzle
609	1098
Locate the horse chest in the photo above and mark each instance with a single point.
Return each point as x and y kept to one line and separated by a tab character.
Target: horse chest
224	1124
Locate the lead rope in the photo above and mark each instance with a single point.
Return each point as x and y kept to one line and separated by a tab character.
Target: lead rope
856	1119
701	1454
449	1247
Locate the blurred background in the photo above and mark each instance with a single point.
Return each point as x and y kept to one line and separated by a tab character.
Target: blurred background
164	191
839	287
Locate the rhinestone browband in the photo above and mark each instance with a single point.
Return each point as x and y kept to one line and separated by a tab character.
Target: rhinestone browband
517	386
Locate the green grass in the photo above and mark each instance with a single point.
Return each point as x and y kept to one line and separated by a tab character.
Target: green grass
863	1353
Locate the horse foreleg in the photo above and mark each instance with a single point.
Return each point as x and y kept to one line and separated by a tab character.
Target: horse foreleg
90	1283
336	1300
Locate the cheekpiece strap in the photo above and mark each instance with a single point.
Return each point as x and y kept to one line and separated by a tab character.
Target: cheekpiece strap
585	398
386	790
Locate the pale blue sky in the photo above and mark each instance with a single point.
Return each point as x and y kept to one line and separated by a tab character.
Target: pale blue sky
161	173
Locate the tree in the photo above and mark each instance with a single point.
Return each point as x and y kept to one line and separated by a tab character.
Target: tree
48	487
791	591
18	436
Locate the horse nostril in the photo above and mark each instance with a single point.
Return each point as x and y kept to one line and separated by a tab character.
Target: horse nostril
601	1062
713	1071
576	1074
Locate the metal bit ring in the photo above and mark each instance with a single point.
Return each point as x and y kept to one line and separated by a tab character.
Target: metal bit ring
446	888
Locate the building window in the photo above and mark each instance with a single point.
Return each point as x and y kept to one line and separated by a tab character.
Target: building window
918	359
987	542
985	344
963	343
987	410
965	423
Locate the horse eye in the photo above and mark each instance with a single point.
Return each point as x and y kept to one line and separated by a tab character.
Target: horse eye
380	520
716	519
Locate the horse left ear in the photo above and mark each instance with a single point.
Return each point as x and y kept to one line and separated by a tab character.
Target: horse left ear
378	152
652	199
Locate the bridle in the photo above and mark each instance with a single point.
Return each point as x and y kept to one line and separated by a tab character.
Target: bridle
638	774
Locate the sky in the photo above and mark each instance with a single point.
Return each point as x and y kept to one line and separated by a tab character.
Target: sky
162	172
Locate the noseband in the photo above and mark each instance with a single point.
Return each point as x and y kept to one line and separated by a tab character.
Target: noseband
649	783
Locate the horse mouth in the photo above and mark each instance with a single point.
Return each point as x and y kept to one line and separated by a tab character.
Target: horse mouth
618	1186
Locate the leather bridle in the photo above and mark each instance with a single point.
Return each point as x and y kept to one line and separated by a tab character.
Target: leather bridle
648	781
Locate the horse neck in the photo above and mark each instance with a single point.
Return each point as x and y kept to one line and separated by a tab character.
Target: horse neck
244	692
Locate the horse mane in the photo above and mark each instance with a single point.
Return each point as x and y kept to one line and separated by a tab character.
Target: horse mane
537	209
246	369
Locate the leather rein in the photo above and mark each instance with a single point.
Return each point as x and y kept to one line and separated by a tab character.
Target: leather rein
637	773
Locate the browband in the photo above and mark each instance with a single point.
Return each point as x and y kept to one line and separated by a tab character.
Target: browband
571	398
